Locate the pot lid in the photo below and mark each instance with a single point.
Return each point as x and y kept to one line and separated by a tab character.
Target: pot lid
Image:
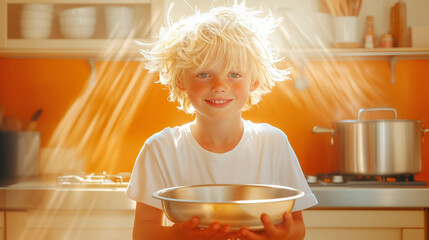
380	121
363	110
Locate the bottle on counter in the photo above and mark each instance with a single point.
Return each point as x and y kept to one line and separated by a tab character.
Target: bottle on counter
386	41
369	36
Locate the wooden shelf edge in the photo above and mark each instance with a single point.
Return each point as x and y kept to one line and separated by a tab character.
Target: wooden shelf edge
80	1
73	48
120	54
129	49
350	52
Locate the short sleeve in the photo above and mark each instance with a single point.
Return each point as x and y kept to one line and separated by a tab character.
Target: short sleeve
290	174
146	178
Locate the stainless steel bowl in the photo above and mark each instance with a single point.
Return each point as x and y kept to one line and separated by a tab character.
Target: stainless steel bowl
233	204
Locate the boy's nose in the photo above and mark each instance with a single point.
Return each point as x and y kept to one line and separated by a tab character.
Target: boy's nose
219	84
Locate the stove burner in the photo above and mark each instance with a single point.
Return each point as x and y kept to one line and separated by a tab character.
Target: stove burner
335	179
94	180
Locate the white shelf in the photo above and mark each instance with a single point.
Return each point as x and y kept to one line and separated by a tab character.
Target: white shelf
97	47
302	56
71	48
356	52
86	2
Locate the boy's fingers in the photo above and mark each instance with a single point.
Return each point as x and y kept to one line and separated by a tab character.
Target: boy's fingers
191	223
231	237
248	235
211	230
214	231
268	225
287	220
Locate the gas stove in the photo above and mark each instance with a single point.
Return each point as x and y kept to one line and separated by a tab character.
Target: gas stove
97	180
334	179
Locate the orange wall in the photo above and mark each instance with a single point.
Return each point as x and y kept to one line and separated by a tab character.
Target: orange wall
108	119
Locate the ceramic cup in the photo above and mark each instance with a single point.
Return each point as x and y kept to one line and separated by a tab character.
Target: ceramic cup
119	21
345	29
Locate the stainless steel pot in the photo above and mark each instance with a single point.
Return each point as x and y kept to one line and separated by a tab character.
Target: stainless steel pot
19	152
377	147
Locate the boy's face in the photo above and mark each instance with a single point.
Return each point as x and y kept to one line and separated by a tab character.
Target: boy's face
217	93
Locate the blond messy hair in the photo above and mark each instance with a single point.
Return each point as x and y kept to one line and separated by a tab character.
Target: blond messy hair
236	33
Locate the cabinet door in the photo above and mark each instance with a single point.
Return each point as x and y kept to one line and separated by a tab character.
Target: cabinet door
2	232
412	234
16	223
364	224
352	234
67	224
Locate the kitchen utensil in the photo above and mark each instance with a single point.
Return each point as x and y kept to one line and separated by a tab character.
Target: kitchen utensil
233	204
78	23
323	7
356	7
346	29
119	21
35	33
11	124
339	8
400	24
38	7
79	11
34	15
19	154
377	147
36	20
32	125
77	32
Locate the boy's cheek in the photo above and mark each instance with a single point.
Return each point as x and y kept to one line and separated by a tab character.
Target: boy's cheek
198	88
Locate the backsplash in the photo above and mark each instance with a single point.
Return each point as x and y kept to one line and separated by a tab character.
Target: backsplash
107	123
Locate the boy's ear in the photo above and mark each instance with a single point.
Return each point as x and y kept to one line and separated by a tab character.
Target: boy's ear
254	86
180	84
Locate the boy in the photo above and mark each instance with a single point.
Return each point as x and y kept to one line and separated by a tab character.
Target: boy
216	64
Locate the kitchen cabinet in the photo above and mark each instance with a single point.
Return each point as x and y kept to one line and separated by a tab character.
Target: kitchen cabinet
99	46
150	16
69	224
369	224
40	208
394	224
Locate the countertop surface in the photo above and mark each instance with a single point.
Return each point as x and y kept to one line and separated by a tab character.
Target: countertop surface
46	194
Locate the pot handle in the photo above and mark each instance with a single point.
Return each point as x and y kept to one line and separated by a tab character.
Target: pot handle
362	110
423	135
317	129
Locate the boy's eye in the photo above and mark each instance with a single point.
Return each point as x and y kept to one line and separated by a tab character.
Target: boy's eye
234	75
203	75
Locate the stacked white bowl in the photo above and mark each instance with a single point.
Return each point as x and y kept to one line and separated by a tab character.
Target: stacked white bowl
78	23
36	20
119	21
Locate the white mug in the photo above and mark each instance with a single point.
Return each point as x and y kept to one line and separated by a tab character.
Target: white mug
345	29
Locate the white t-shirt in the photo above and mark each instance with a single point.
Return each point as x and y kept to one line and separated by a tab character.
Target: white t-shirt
173	157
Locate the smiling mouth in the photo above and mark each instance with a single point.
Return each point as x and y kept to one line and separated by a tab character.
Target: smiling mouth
219	102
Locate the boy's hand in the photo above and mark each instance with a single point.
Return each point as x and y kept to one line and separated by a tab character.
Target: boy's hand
280	231
190	231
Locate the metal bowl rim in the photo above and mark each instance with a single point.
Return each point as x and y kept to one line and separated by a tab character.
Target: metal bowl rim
298	195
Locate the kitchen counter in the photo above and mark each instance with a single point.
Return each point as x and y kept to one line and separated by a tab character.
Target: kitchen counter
372	197
44	194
